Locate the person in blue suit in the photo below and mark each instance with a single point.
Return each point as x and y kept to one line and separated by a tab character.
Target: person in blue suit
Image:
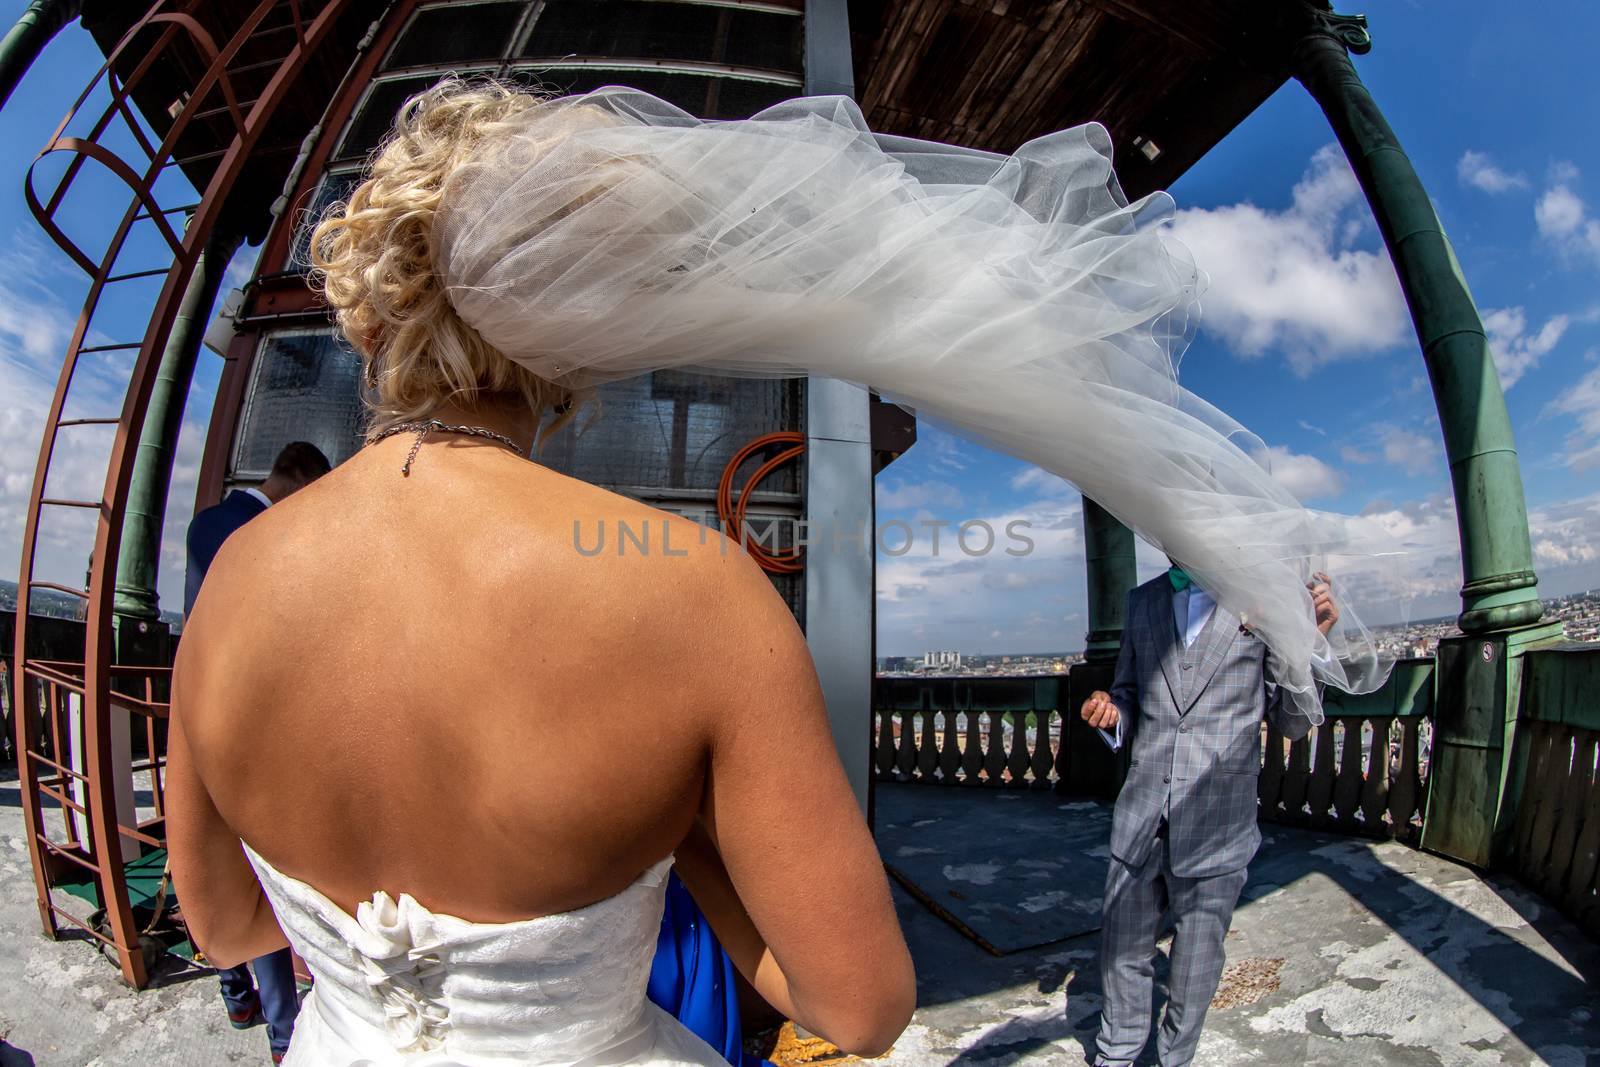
692	978
272	994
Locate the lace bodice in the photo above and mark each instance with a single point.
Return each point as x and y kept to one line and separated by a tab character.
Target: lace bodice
399	984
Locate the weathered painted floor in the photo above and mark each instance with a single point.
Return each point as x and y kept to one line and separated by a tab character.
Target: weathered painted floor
1388	956
1342	952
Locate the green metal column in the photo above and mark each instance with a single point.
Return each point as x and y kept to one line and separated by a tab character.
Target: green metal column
140	557
1500	590
41	21
1478	678
1092	769
1111	571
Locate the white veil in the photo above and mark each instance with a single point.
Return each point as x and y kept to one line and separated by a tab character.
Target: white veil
1021	300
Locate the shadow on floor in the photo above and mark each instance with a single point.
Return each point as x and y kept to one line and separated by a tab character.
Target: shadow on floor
11	1056
1362	928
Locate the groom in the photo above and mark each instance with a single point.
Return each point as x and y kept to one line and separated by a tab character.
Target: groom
1191	689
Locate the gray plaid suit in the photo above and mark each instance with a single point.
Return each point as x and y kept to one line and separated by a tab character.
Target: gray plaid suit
1184	827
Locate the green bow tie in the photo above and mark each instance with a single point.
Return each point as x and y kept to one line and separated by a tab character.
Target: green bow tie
1179	578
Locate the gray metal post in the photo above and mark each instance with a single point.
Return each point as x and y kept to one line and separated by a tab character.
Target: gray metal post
840	573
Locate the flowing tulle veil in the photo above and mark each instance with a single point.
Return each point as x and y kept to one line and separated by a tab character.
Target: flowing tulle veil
1020	300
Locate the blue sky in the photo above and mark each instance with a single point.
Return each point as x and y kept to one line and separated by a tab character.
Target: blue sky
1305	339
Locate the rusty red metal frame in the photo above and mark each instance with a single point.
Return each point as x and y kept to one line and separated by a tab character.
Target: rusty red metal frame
246	344
176	24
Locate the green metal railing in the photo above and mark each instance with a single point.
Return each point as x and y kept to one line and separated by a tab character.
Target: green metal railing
1363	771
1551	838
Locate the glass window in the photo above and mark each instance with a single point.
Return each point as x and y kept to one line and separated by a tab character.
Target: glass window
699	94
651	29
676	430
376	114
305	386
334	187
457	33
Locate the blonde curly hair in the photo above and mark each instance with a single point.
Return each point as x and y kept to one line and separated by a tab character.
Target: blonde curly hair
372	260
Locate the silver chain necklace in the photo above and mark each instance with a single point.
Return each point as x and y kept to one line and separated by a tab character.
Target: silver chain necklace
424	427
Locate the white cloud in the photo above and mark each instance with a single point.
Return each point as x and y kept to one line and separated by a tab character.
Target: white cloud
951	599
1582	402
1563	218
1307	477
918	495
1412	452
1516	351
1479	171
1040	480
1566	549
1547	550
1291	280
1415	453
1309	428
38	293
1559	212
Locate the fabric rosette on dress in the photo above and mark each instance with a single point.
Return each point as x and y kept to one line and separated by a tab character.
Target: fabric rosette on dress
398	985
1020	300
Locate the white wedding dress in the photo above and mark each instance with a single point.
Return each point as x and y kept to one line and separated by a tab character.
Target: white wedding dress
397	984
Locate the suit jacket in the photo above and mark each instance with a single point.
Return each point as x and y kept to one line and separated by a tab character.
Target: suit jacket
1194	717
207	531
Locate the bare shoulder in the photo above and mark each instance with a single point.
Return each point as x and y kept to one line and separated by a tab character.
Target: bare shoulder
594	531
695	601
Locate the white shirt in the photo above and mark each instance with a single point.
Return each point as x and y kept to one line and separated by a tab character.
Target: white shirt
1192	608
266	501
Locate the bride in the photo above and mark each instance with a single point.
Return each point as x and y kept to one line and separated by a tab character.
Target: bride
449	759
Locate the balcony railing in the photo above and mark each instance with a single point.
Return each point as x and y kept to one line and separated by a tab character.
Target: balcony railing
1554	842
1363	771
969	731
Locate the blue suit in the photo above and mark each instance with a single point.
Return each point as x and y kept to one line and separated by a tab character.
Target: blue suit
207	531
274	972
692	978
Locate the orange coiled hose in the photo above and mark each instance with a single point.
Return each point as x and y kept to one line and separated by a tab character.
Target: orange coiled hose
781	561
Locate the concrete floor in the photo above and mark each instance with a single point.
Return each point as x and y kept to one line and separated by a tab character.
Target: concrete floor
1344	952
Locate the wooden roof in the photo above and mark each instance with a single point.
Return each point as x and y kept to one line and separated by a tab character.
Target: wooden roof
169	82
985	73
995	73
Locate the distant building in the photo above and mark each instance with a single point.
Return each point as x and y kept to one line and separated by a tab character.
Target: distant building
942	660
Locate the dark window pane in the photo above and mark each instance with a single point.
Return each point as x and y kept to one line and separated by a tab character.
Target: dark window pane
461	33
652	29
376	115
677	430
699	94
334	187
306	387
739	99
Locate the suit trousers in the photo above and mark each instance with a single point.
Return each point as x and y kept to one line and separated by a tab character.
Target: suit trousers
279	996
1136	902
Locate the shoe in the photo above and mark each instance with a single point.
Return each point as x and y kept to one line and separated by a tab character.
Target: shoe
246	1017
277	1057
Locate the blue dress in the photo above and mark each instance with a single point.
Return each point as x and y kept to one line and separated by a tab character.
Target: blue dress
692	978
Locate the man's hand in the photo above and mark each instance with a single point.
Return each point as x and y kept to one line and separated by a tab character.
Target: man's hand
1326	611
1099	712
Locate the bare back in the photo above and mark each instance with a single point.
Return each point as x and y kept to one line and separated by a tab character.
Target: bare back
420	684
